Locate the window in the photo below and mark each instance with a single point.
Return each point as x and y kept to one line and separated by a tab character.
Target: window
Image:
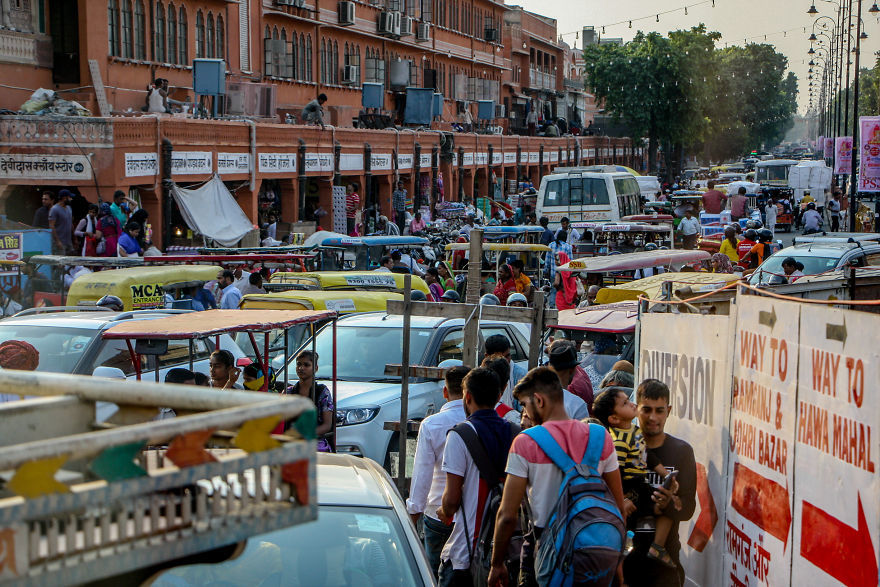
200	34
209	36
126	29
302	52
296	68
221	39
113	26
160	33
451	346
334	68
323	61
172	34
427	9
182	40
595	192
374	68
140	31
516	354
307	58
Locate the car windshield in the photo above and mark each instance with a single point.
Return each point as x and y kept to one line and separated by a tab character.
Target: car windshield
345	546
363	351
772	267
60	348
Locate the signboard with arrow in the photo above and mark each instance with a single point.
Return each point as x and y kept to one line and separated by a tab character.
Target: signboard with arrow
837	488
761	443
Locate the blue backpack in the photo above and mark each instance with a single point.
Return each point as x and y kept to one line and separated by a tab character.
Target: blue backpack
585	536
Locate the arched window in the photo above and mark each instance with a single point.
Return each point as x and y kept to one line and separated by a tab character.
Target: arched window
358	63
160	32
335	66
323	64
285	68
200	34
295	57
113	26
126	29
209	36
269	65
302	52
172	34
140	31
308	58
221	38
182	39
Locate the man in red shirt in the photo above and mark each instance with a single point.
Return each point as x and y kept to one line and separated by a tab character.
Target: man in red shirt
352	201
713	200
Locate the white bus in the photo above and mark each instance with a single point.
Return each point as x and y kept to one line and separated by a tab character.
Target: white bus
583	195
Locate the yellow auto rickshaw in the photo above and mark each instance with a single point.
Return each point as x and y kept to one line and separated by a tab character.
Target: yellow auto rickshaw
139	288
685	285
344	280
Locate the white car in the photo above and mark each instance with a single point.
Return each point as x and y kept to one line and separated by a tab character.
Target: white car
366	397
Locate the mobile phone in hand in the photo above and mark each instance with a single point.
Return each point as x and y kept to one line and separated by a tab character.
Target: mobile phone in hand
667	483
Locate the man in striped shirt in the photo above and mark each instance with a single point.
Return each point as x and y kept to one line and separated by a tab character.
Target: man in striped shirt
352	201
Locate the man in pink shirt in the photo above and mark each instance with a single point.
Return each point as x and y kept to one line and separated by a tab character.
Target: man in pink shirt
713	200
529	468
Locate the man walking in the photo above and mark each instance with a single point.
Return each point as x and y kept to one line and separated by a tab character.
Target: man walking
41	216
428	480
690	230
738	205
652	397
834	212
530	469
61	223
483	433
398	203
713	200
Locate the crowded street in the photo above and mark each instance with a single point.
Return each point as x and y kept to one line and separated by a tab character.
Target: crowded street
496	304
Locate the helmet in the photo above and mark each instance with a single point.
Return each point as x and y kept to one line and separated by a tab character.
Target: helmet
756	224
418	295
111	303
765	235
451	296
751	234
489	300
651	246
517	297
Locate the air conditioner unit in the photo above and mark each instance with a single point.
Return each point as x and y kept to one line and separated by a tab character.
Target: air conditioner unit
249	99
350	74
499	110
345	13
423	31
406	26
491	35
389	23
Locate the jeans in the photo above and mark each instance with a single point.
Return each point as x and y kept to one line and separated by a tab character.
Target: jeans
450	577
436	535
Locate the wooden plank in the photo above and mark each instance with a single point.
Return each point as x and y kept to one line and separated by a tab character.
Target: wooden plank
452	310
417	371
537	333
404	381
98	84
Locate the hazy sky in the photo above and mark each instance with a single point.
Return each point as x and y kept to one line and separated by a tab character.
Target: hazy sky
734	19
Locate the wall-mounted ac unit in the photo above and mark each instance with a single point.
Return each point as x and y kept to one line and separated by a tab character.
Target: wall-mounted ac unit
423	31
350	74
499	110
406	26
491	35
345	12
389	23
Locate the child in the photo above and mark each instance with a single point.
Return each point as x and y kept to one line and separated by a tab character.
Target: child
306	366
616	412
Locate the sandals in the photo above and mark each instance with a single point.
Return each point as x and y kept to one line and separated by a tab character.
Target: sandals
659	554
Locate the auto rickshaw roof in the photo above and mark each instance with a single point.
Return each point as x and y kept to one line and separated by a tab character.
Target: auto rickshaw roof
652	287
374	241
519	229
349	279
622	227
511	247
359	300
633	261
613	318
214	322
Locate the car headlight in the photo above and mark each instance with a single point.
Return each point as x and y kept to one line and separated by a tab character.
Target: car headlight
347	417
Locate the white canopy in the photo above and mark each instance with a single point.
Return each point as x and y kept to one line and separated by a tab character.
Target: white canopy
212	211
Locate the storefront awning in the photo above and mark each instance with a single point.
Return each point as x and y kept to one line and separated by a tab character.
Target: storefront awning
212	211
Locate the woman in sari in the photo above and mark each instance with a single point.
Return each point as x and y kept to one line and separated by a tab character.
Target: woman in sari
506	284
565	284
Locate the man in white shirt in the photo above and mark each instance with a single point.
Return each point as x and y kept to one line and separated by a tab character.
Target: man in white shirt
242	278
414	267
467	227
573	236
230	296
385	264
428	480
690	229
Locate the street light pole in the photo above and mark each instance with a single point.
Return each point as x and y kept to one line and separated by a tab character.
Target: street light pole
853	184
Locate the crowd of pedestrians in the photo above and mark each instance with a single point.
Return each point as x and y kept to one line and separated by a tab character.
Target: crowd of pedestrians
519	481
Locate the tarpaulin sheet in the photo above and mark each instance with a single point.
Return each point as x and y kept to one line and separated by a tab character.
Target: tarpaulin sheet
212	211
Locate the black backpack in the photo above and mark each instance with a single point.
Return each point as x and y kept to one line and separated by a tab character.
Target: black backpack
493	475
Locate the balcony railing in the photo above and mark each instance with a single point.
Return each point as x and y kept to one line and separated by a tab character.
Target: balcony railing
25	48
541	81
573	84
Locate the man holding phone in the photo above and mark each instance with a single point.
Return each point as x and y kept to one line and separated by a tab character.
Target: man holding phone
652	397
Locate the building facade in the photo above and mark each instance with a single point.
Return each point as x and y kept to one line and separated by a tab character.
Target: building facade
279	54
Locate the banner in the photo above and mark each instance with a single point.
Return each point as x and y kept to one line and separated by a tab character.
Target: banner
228	163
276	162
843	155
141	164
837	491
11	245
869	170
829	147
698	375
192	162
61	167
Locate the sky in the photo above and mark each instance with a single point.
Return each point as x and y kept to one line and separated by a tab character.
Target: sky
782	21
